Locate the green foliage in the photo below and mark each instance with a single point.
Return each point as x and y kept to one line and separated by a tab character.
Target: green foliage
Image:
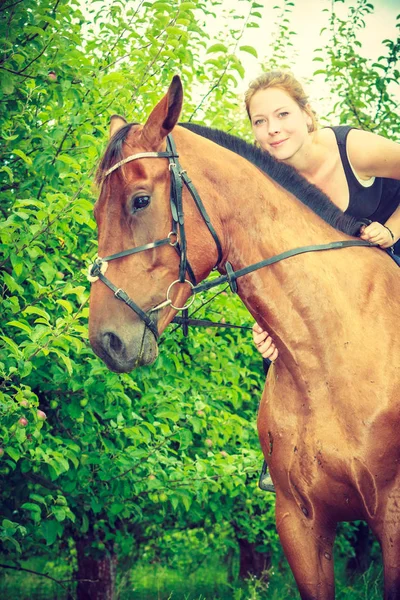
282	52
362	90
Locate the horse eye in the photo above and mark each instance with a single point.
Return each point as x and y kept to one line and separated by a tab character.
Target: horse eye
140	202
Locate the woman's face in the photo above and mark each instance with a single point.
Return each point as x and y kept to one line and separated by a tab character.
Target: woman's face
279	125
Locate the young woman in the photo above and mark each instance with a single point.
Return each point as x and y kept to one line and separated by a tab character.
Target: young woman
358	170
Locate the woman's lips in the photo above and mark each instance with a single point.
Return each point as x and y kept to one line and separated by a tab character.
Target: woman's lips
275	144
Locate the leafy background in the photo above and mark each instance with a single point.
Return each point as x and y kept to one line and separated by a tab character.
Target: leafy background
158	467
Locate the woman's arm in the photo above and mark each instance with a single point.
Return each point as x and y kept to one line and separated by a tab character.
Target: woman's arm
373	155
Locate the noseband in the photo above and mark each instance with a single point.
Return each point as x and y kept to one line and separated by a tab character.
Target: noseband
177	239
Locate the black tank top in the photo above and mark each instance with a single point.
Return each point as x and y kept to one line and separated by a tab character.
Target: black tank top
376	202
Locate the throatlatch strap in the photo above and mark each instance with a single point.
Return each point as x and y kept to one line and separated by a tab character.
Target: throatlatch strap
178	217
188	182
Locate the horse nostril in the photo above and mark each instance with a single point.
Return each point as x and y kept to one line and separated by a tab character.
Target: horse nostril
112	342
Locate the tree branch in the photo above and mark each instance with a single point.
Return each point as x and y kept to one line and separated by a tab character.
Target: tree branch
70	596
36	57
16	73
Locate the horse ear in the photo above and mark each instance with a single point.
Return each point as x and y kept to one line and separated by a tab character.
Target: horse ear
165	115
116	123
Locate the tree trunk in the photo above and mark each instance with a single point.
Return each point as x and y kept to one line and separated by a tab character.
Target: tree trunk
96	572
253	563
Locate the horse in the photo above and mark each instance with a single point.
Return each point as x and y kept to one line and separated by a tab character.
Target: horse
329	416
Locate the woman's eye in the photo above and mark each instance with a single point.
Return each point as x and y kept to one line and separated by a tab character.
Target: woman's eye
259	122
140	202
283	114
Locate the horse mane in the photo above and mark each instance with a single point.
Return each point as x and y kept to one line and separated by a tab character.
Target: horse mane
287	176
283	174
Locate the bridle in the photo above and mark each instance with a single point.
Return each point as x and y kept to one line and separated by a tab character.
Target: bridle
177	239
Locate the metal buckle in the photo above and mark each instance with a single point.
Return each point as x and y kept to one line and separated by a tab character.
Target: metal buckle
191	300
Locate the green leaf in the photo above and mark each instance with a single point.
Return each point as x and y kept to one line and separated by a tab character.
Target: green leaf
30	506
67	362
50	529
172	30
36	310
13	453
37	498
116	508
187	6
250	50
66	304
114	77
167	413
217	48
20	325
34	29
21	154
59	513
9	173
16	544
12	345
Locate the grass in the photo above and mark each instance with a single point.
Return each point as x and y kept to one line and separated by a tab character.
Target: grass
209	582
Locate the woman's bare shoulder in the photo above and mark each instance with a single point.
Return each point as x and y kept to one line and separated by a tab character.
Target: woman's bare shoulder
325	138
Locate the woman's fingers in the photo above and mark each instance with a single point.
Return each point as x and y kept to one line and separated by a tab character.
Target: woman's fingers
264	343
257	328
273	356
376	233
267	348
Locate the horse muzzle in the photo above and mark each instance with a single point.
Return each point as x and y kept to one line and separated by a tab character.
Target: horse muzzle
122	352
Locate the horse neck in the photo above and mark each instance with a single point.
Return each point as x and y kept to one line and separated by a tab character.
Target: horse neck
256	219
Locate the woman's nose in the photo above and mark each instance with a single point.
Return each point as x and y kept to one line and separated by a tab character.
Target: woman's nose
273	127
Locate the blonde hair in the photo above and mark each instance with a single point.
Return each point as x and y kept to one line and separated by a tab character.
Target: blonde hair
289	84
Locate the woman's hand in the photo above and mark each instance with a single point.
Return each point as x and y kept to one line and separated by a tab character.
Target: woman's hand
376	233
264	343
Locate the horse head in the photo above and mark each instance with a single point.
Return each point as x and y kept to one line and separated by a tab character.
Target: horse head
134	213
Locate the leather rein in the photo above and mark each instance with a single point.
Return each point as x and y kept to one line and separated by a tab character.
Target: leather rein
177	239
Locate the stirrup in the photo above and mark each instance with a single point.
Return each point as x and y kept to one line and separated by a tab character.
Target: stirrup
265	482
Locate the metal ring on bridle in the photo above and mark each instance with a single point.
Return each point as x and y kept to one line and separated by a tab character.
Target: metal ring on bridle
176	238
191	300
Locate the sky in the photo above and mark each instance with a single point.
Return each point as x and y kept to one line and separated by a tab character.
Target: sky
307	19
